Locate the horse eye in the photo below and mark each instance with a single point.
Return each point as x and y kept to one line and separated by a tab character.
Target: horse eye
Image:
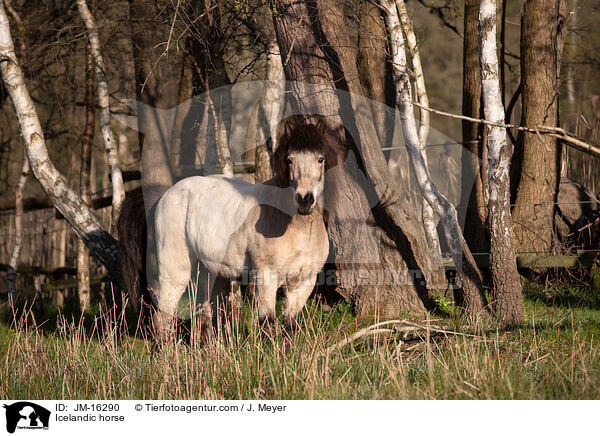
321	160
288	161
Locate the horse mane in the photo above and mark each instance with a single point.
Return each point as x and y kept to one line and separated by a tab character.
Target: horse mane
300	134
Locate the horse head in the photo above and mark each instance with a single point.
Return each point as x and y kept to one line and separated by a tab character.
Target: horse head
301	161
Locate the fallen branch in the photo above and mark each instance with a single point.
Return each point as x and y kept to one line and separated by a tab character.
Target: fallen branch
556	132
357	335
377	329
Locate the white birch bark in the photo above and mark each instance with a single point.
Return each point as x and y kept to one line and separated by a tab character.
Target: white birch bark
11	275
471	281
506	286
423	99
83	276
108	137
83	255
275	87
221	136
261	129
415	57
222	143
69	204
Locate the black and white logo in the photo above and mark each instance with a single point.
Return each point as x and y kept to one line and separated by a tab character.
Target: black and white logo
26	415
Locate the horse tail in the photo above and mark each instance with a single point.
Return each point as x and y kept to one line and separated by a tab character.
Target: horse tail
132	231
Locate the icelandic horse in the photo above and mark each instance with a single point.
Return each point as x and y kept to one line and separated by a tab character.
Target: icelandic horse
274	231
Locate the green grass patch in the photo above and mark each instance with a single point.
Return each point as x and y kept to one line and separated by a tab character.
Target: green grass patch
553	355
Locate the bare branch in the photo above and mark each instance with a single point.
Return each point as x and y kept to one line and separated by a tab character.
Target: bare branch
558	132
13	13
439	12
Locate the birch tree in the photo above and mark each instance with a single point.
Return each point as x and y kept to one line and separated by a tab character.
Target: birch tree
11	275
472	296
273	98
262	128
506	286
83	221
108	137
221	136
83	257
421	91
474	198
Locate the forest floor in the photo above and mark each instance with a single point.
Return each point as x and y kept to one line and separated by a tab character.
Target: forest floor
555	354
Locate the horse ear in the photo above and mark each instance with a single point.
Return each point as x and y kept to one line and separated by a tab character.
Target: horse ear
288	127
278	162
321	126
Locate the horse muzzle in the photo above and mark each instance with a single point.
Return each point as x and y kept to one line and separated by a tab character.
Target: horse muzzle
306	203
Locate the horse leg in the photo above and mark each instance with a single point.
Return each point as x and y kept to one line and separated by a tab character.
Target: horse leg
202	312
218	296
174	271
266	285
295	299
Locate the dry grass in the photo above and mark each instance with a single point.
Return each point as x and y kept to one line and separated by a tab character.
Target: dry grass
554	355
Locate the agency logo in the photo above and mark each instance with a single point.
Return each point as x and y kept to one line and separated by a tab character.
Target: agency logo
26	415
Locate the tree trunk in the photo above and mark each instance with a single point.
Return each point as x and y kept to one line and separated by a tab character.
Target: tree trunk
208	52
474	158
183	144
471	297
274	89
255	146
219	130
83	257
157	75
421	91
261	135
506	286
11	275
533	213
108	138
69	204
374	72
370	226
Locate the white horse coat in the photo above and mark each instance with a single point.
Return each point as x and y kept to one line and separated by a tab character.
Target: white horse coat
272	233
234	228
